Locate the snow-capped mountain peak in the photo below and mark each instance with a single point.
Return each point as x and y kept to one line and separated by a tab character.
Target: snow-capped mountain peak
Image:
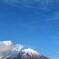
30	51
28	54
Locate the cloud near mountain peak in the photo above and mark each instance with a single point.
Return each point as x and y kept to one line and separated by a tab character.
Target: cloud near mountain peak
7	48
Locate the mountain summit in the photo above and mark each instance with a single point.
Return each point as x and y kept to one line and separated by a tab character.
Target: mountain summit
28	54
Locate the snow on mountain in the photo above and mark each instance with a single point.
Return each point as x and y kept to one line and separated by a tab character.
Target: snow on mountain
30	51
28	54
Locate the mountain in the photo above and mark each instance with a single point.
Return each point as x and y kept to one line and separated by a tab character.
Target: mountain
28	54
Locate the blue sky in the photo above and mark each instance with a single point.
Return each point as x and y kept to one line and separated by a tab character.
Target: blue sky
33	23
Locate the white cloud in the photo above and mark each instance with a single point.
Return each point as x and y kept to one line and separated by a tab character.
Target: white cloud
53	17
7	48
29	3
37	4
54	58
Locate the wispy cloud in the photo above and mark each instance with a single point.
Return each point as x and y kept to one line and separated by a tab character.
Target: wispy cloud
7	48
53	17
40	4
54	57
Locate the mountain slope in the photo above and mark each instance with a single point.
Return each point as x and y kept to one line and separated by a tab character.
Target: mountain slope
28	54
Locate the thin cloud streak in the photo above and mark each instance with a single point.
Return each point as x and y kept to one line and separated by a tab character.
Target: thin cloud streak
53	17
41	4
54	58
